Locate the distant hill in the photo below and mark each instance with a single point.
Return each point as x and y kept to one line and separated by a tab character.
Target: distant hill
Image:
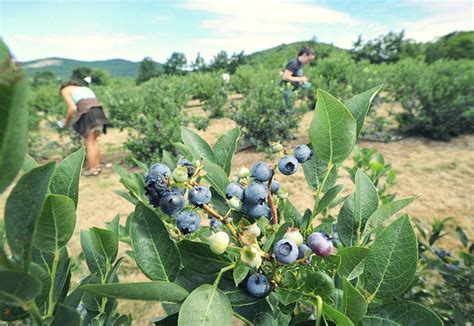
63	67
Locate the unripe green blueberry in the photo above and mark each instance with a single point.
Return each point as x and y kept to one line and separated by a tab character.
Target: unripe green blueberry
234	203
277	147
295	236
282	194
219	242
235	179
250	256
243	172
180	174
254	229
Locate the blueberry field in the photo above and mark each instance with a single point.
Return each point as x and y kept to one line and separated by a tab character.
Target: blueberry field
220	204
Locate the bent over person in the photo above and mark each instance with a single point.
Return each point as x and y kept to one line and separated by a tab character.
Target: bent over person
294	73
88	119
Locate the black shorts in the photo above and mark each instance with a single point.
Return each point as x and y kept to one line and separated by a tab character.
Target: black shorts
94	119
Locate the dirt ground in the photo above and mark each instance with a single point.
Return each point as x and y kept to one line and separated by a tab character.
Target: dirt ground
440	173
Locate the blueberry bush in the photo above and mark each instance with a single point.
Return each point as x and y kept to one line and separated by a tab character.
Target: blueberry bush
259	260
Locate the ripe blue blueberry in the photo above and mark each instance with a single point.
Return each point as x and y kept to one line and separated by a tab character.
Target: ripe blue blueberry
155	183
303	153
256	193
188	165
267	212
254	211
319	244
285	251
215	224
172	203
288	165
261	172
258	286
159	169
199	195
188	222
302	250
234	189
275	186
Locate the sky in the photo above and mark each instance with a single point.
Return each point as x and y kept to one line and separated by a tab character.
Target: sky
133	29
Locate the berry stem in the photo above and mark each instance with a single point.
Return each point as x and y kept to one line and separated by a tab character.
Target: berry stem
319	310
270	200
221	273
229	226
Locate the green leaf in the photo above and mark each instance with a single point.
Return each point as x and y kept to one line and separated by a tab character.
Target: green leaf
240	272
198	256
105	243
225	148
354	304
55	224
197	146
352	261
318	283
183	150
378	321
337	317
333	129
206	306
65	315
94	260
383	213
155	253
314	170
328	198
346	224
391	263
216	177
169	160
366	199
22	210
359	105
28	163
18	288
462	236
409	313
146	291
288	295
291	213
14	118
66	177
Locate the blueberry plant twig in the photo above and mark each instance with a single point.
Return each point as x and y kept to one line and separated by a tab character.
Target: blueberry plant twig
270	201
221	273
229	226
318	194
32	308
54	269
319	310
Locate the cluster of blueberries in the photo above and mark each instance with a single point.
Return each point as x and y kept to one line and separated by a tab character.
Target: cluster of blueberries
166	190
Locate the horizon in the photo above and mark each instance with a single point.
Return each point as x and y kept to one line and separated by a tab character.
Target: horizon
131	31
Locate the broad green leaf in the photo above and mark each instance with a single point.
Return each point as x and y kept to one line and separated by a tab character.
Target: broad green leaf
291	214
378	321
22	210
168	320
409	313
288	295
198	256
155	253
65	315
225	148
366	199
328	198
75	297
44	278
18	288
169	159
391	263
318	283
65	180
462	236
28	163
314	170
359	105
216	177
105	242
275	319
337	317
114	225
352	261
197	146
383	213
146	291
56	223
328	265
354	304
94	260
333	129
14	118
252	311
240	272
183	150
206	306
346	224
